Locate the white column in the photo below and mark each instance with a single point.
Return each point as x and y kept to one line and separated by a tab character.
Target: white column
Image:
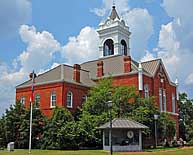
177	84
109	140
140	77
140	140
103	139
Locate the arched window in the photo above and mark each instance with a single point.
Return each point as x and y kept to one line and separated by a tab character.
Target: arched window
69	99
146	90
123	47
108	47
22	100
37	100
53	100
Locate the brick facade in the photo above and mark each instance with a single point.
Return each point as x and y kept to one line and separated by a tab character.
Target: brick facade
60	89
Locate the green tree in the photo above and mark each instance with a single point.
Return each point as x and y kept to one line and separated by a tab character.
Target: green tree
15	126
185	108
95	111
59	132
12	120
38	123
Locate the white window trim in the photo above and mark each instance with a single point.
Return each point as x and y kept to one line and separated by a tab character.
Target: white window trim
173	103
71	100
36	100
160	99
146	90
51	100
22	100
165	100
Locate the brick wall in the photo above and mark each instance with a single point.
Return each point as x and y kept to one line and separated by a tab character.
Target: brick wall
60	89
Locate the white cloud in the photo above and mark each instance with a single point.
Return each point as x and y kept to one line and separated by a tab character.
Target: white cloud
189	79
175	42
148	56
13	13
8	81
82	48
121	6
141	26
98	11
40	48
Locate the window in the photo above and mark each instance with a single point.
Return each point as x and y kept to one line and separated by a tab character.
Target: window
53	100
160	99
84	98
22	100
173	103
37	100
164	97
146	89
108	47
123	47
69	99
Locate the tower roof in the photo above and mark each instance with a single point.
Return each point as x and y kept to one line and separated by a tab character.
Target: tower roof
114	14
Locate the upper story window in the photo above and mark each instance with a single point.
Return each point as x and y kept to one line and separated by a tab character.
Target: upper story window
123	47
69	99
53	100
160	99
164	97
37	100
22	100
146	90
108	47
173	103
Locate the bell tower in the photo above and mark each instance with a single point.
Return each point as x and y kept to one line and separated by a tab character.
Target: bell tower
114	36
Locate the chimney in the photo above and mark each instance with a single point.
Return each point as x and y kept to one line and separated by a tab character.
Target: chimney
100	69
77	73
127	64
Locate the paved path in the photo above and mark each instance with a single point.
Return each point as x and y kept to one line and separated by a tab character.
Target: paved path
185	147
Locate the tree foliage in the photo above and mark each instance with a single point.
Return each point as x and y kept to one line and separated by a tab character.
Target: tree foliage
60	130
15	126
185	108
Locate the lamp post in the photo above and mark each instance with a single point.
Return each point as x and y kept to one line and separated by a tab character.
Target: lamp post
32	76
155	118
110	104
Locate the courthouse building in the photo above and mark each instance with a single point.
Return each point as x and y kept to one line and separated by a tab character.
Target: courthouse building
68	86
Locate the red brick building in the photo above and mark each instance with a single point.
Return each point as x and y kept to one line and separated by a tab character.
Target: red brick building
68	86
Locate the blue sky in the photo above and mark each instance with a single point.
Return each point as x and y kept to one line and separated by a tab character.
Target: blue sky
41	34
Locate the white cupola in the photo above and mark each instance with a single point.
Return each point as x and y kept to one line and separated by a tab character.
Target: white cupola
114	36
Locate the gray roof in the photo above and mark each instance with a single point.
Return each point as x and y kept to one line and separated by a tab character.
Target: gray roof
122	123
114	14
151	66
113	65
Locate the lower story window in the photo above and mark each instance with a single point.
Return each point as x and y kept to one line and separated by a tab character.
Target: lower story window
69	99
53	100
22	100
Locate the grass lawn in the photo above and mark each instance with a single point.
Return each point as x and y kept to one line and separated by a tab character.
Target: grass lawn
175	151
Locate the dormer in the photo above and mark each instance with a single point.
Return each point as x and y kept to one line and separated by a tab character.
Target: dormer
114	36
